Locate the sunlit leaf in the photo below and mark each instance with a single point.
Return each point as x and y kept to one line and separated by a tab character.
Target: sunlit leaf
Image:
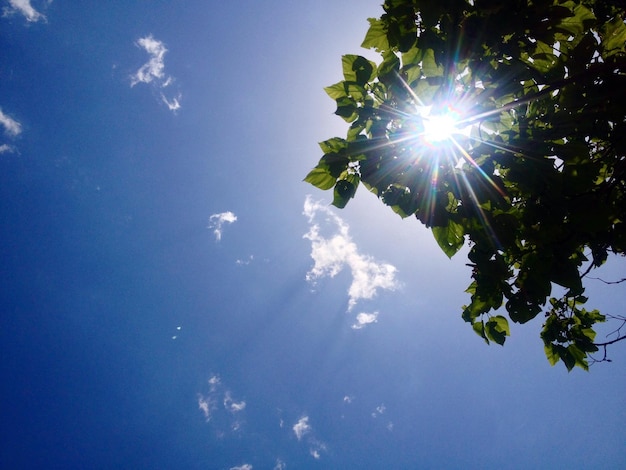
320	178
376	37
429	67
614	37
357	69
449	237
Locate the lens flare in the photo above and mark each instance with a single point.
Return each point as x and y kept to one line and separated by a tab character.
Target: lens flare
439	128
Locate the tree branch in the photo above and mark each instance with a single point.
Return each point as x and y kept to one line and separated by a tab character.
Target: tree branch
609	282
600	345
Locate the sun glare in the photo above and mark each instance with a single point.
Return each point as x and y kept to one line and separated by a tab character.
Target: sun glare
439	128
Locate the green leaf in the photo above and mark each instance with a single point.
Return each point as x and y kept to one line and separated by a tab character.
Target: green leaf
497	329
430	68
552	353
479	329
579	357
334	145
321	178
389	66
344	191
450	237
376	37
347	109
357	69
568	359
614	37
574	25
336	91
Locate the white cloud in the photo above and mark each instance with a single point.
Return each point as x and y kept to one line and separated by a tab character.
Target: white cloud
302	427
224	419
216	221
153	71
11	126
204	405
4	148
245	262
364	319
214	381
280	465
347	399
316	449
172	104
379	411
232	405
245	466
25	8
332	253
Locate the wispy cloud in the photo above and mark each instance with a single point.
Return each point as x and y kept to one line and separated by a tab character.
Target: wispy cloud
245	466
364	319
4	148
11	126
172	104
245	262
280	465
24	8
334	252
229	416
216	221
302	427
316	449
204	405
214	382
153	71
380	409
231	405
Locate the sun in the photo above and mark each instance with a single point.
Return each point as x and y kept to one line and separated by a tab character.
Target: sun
441	127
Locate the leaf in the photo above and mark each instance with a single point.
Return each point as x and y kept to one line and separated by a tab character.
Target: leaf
357	69
321	178
579	357
497	329
614	37
336	91
376	37
551	353
334	145
429	66
574	25
450	237
566	357
479	328
389	66
347	109
344	191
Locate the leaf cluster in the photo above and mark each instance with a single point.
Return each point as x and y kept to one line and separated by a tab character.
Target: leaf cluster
537	184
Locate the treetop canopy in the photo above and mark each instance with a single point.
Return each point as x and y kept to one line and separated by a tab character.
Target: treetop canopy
530	169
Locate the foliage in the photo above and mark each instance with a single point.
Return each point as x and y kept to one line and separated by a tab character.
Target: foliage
534	179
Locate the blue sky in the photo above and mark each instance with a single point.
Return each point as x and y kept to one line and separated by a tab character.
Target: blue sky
174	296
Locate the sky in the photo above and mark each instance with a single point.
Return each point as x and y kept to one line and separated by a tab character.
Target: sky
175	296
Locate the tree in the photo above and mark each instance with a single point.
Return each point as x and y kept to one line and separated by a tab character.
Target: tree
503	125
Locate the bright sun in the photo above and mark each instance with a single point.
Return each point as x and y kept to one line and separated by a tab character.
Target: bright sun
439	127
